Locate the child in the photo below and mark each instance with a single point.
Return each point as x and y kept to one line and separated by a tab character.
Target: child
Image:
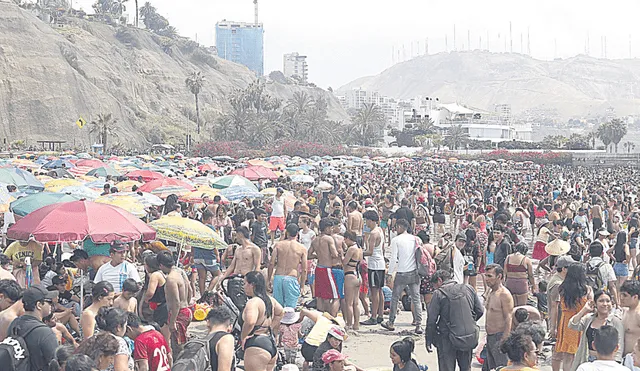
290	332
127	300
543	305
259	235
387	292
632	360
66	300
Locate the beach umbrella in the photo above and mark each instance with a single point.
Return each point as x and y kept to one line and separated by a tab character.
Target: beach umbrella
231	181
197	195
81	192
28	204
263	163
147	175
84	156
238	193
302	179
23	180
127	185
77	220
92	163
131	204
166	191
25	164
255	173
104	171
187	231
60	173
97	185
324	186
164	183
57	184
44	178
59	163
209	167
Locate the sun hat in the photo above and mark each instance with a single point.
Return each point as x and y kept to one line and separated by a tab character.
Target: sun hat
290	316
557	247
337	332
332	355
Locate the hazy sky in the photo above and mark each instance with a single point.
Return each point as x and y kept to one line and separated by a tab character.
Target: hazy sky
347	39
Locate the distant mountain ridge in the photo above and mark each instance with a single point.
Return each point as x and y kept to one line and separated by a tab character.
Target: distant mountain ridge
577	86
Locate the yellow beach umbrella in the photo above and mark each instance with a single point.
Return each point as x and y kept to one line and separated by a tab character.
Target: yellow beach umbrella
128	203
127	185
56	185
187	231
197	195
44	178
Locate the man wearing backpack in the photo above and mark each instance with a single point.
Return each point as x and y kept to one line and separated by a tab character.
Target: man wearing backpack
40	341
600	275
451	322
403	263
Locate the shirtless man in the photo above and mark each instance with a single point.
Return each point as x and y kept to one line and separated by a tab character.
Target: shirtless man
498	323
177	291
355	222
246	258
524	313
8	315
10	293
324	249
5	274
374	253
630	298
287	257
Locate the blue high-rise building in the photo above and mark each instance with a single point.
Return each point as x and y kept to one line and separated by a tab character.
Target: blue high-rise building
241	43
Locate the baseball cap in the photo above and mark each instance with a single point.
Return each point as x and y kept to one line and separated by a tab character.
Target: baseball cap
332	355
564	261
368	202
118	246
461	236
279	190
35	294
337	332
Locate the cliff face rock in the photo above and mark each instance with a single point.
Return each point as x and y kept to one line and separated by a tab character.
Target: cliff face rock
576	86
50	76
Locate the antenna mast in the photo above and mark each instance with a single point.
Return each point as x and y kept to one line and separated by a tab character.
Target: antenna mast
255	3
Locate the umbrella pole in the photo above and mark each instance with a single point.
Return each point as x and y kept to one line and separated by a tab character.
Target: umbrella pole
81	290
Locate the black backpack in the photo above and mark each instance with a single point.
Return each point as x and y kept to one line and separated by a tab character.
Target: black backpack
14	354
444	259
594	279
194	356
464	332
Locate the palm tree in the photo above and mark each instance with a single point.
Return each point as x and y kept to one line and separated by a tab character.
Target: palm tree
297	115
629	146
104	126
194	82
146	13
368	123
618	131
604	134
457	135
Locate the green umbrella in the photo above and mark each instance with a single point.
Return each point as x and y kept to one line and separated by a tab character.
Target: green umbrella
22	179
28	204
232	181
104	171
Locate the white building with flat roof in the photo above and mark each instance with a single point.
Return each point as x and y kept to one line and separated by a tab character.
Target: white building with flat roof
296	65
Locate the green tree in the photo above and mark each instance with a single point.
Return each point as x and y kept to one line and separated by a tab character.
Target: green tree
618	131
194	82
104	126
456	136
605	134
368	124
629	146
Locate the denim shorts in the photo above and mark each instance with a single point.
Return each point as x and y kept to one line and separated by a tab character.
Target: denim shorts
633	243
621	269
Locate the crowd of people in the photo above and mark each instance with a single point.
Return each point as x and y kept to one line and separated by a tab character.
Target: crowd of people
546	254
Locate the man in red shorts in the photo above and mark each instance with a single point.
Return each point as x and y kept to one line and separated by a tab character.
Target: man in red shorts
327	288
278	214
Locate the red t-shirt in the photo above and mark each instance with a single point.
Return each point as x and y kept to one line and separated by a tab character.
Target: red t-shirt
153	347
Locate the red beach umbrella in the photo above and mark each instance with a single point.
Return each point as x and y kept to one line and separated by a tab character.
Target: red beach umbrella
165	182
147	175
255	173
74	221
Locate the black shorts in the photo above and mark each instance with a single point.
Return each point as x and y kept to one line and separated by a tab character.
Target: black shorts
376	279
308	351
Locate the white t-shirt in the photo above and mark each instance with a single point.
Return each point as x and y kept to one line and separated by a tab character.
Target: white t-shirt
602	366
117	275
278	207
458	266
628	363
403	249
306	238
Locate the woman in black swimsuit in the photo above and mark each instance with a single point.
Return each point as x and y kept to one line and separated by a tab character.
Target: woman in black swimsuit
261	317
352	258
154	294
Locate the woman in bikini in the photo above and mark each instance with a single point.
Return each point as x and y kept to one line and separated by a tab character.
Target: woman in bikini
352	258
261	317
518	272
154	294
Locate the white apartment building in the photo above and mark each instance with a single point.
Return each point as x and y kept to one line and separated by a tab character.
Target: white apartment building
296	65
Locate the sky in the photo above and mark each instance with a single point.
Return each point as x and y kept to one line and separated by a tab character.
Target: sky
348	39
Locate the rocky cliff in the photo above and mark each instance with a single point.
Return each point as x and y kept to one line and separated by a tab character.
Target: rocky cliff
50	75
571	87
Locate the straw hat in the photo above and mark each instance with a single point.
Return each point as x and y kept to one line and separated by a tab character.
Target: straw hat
557	247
